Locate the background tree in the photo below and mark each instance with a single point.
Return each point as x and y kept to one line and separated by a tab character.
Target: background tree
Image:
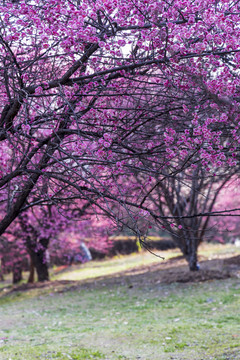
44	234
225	223
183	204
13	256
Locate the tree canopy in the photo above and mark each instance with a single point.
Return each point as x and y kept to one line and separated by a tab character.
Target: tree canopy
97	94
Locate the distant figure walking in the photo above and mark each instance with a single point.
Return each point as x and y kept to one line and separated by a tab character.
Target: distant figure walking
84	254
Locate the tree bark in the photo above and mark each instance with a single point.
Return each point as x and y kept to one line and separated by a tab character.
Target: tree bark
191	254
192	261
17	272
40	264
37	252
31	271
188	245
1	272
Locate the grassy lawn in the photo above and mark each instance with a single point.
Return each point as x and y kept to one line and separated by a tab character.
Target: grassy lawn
131	318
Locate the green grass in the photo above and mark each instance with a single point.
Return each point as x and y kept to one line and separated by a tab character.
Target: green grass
197	321
99	319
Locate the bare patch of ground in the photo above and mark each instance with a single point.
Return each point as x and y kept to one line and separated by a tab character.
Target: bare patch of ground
176	270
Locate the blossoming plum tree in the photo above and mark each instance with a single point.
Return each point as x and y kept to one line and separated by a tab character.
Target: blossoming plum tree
183	205
226	228
94	92
44	234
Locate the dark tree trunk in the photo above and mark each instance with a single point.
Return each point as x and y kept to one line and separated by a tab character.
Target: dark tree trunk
40	264
192	261
37	252
31	271
188	246
1	272
191	254
17	272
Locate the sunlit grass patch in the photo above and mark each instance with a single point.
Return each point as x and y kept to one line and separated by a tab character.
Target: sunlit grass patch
112	266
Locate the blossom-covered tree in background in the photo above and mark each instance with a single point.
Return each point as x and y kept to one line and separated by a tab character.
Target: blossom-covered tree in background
13	256
46	234
95	94
185	203
225	224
